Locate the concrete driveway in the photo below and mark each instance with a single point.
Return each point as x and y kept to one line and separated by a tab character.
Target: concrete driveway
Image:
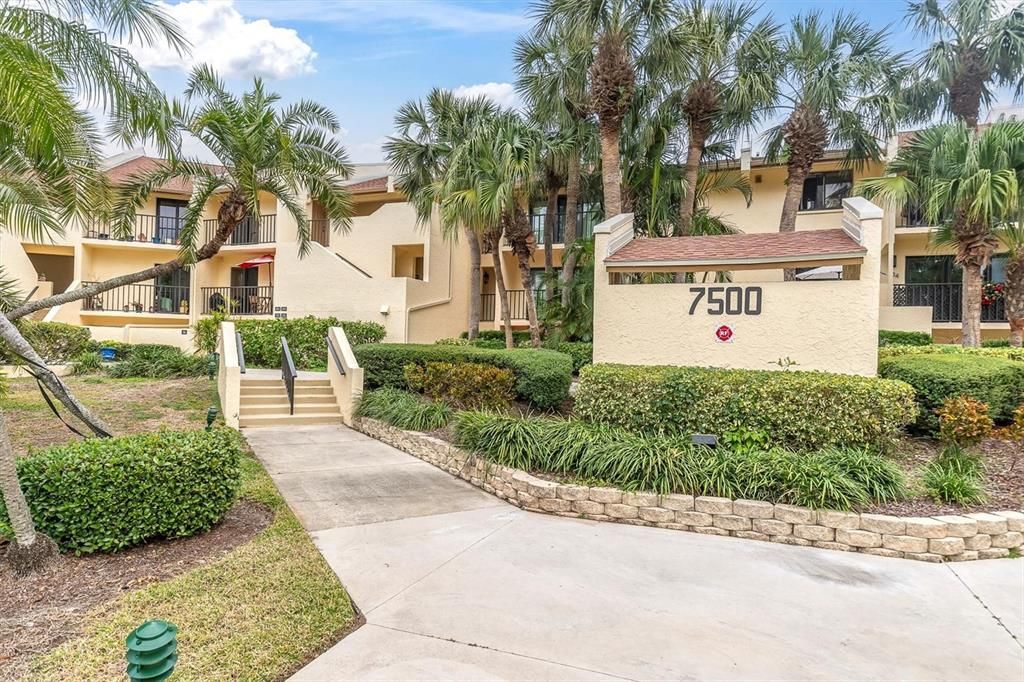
456	584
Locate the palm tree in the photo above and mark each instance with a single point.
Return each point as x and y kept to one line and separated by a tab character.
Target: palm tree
968	181
839	89
726	70
552	79
978	48
1012	236
488	185
50	55
619	34
260	148
427	134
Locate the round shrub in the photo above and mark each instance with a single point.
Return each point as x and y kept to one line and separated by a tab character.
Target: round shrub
964	421
106	494
798	410
995	381
463	385
582	353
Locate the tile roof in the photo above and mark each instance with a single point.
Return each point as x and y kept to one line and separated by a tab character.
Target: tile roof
378	184
143	164
737	248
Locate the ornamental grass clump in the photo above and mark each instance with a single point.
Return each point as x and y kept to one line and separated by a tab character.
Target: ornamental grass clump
831	478
954	477
403	410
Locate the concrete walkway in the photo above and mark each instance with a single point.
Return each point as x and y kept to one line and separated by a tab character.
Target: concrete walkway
456	584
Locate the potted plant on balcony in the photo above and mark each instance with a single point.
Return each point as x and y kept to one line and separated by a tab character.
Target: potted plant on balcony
156	239
992	292
141	236
137	306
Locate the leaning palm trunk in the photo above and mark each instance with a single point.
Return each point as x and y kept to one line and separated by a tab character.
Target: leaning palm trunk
492	245
10	335
30	549
572	197
474	283
1014	296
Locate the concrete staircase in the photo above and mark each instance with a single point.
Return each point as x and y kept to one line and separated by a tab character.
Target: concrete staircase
264	402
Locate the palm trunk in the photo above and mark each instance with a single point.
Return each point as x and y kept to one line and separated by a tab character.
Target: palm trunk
474	283
693	156
17	343
531	303
611	173
30	550
1014	295
790	206
572	197
499	284
971	306
550	225
231	213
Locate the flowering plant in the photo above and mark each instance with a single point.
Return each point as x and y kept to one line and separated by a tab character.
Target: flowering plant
992	292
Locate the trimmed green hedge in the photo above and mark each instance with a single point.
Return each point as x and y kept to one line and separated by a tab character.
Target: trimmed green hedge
55	342
106	494
799	410
542	376
995	381
895	338
261	339
950	349
499	335
581	352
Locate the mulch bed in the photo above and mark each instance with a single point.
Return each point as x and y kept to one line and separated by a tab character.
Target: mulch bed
41	611
1004	478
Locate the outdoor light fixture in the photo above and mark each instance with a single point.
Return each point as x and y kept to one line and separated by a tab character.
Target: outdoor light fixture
152	651
211	414
212	362
710	440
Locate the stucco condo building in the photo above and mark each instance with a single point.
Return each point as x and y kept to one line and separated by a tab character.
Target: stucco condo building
388	268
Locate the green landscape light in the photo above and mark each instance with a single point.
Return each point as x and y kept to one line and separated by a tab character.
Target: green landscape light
152	651
212	361
211	414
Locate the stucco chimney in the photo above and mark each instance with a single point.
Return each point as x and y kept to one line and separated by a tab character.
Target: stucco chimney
745	160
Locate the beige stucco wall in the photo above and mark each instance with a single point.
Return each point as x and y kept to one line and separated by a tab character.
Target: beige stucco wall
821	325
905	318
16	262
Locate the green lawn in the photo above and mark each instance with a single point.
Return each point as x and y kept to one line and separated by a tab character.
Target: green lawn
256	613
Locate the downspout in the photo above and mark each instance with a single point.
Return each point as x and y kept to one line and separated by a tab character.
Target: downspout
440	301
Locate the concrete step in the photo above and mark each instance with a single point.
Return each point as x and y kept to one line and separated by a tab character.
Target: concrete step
300	408
290	420
280	390
281	398
277	381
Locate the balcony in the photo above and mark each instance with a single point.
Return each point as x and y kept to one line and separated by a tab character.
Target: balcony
149	229
944	300
585	221
489	306
252	230
139	299
242	300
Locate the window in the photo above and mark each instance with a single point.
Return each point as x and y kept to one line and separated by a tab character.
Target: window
931	270
826	190
170	215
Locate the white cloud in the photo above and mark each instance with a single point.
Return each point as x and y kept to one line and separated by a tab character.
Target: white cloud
232	44
502	94
393	15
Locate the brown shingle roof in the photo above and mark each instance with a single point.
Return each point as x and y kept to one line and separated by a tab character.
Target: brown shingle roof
143	164
738	248
371	185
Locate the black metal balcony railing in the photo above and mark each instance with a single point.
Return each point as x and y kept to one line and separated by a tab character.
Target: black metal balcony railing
585	221
254	300
140	298
489	307
148	228
252	230
945	301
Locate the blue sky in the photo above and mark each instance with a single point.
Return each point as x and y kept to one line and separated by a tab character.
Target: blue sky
363	58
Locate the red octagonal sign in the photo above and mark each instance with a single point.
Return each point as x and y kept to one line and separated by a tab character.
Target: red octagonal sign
724	333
